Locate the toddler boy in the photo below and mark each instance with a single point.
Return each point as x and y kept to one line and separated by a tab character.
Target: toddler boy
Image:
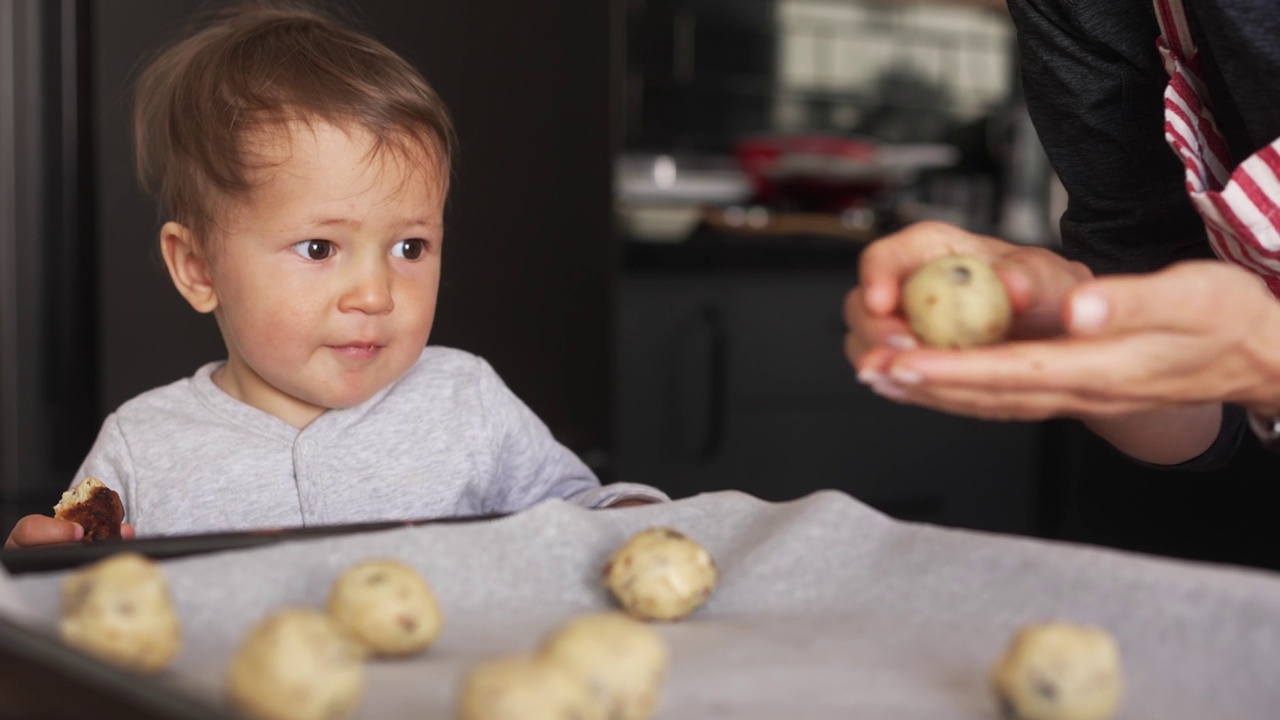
304	167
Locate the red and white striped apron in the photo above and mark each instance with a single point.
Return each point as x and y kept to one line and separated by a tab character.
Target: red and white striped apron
1241	209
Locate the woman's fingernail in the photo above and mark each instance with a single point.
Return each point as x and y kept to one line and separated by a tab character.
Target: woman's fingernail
79	532
888	390
870	377
901	342
905	376
1088	313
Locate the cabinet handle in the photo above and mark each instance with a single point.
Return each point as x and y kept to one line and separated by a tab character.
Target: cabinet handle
719	385
709	326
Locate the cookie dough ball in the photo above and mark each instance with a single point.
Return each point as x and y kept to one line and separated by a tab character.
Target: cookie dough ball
1058	671
622	661
297	665
957	301
387	606
525	688
660	574
119	610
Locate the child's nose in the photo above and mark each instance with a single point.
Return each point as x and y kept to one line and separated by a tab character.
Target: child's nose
369	290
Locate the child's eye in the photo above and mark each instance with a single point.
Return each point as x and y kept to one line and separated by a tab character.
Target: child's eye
314	249
409	249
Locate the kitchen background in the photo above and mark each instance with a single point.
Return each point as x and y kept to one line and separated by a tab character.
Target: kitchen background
657	209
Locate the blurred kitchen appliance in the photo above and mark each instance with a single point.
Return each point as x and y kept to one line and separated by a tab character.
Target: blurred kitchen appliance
832	173
661	198
1025	215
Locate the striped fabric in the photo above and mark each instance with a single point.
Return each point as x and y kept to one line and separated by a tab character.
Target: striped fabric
1241	209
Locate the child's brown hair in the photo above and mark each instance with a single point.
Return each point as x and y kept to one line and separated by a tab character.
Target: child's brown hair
260	66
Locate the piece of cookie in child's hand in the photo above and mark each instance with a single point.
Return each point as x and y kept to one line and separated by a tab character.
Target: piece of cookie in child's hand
95	507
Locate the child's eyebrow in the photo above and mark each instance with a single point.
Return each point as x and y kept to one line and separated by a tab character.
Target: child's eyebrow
330	222
421	222
322	222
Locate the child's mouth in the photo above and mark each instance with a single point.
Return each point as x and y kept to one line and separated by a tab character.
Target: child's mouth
358	350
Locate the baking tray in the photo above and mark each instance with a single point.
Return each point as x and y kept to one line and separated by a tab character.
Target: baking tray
62	557
41	678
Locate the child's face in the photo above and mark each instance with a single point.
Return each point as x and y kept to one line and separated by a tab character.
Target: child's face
326	275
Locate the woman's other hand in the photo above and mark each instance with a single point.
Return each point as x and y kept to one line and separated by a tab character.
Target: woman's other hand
1036	281
1197	332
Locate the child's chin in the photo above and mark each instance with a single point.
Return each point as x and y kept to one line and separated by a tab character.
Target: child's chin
343	401
346	403
355	391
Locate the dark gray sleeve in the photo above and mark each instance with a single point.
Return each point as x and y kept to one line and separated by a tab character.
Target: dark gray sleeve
1230	434
1094	88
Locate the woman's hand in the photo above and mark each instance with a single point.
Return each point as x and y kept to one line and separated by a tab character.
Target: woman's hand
36	530
1035	279
1197	332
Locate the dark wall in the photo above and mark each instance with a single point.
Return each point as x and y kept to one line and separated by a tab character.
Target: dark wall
149	336
528	259
528	254
700	73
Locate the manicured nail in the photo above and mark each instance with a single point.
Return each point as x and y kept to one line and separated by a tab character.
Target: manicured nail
870	377
1088	313
905	376
901	342
79	532
888	390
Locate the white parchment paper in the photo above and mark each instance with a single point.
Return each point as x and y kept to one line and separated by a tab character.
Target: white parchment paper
826	609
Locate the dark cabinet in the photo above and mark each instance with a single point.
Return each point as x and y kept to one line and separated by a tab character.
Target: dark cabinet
737	380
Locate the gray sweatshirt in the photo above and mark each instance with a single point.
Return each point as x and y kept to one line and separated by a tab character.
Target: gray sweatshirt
447	439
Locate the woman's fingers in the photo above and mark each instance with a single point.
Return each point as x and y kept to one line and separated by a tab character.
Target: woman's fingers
886	263
1020	405
1193	297
1195	332
1158	365
1079	376
883	349
1037	282
867	331
1035	380
871	308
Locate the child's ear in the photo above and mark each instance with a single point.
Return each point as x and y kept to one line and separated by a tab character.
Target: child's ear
187	266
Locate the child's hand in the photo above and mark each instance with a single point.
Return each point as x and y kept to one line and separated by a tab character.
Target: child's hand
630	502
36	530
